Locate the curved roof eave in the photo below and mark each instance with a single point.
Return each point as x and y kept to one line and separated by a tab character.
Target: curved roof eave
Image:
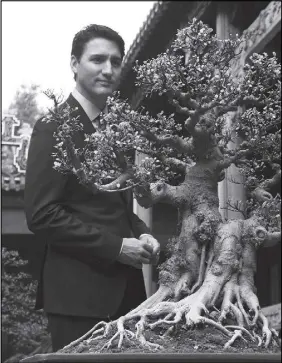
149	24
162	23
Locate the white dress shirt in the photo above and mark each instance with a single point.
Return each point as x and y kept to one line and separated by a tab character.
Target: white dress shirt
91	110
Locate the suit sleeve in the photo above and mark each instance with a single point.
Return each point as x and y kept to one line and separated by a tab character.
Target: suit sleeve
137	225
44	209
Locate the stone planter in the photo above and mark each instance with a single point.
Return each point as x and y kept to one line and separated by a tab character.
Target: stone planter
154	357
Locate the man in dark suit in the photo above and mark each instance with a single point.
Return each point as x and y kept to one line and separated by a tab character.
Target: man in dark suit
92	264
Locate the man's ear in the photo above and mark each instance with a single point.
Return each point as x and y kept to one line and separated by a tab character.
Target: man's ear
73	63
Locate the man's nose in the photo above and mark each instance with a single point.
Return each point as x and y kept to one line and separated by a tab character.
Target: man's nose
107	68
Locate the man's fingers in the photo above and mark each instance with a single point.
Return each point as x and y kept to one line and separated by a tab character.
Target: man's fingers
148	247
146	261
156	247
156	250
146	254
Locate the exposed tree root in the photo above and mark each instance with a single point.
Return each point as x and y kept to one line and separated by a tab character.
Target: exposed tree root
188	312
201	271
222	297
237	334
120	334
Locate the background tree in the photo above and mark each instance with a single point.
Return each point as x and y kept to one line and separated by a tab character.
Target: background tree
208	277
25	105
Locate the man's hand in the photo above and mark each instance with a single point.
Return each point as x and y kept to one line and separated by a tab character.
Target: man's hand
135	252
149	239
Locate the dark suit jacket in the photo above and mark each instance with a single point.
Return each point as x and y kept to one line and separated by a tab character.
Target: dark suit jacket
83	232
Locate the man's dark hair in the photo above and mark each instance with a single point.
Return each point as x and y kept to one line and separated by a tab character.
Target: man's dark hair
94	31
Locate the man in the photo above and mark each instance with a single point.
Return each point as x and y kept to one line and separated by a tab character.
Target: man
92	265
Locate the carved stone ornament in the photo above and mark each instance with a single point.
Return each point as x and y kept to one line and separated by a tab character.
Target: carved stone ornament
14	148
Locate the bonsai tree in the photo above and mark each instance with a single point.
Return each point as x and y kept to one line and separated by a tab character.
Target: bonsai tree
208	276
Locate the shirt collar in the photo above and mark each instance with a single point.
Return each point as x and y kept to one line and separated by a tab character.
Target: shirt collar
91	110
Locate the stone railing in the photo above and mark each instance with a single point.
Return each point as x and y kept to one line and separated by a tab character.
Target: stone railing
273	314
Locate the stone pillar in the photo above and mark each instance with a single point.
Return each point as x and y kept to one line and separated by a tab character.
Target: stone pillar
232	187
147	216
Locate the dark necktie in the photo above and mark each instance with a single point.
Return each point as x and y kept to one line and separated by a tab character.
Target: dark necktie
96	122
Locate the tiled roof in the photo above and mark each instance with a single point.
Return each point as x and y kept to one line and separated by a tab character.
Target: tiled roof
155	14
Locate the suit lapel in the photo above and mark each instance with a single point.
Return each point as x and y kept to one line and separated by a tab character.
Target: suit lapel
88	128
84	119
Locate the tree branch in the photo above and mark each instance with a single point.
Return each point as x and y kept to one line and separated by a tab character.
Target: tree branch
171	140
221	110
180	109
186	100
161	191
235	207
251	101
121	161
116	184
268	184
194	110
261	193
178	164
224	164
113	186
267	239
258	235
194	115
239	101
77	168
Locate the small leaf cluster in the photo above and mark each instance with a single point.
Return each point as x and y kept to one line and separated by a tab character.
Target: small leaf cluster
269	213
260	126
162	74
152	169
204	72
67	125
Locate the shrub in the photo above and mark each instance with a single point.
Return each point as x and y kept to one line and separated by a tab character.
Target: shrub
25	327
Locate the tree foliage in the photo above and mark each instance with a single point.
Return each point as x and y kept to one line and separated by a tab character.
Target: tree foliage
26	328
25	105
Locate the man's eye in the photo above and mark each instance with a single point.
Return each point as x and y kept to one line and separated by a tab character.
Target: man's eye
116	62
97	60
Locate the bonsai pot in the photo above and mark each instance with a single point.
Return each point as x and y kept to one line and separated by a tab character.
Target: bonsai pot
154	357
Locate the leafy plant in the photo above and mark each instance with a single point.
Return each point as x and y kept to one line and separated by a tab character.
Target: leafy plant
26	328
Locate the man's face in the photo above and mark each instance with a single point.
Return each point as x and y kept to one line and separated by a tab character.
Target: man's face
98	70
